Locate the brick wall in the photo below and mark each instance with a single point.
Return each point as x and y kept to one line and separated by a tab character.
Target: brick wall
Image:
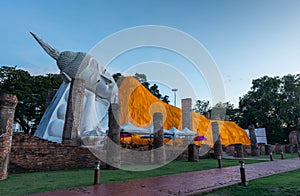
29	153
7	110
5	140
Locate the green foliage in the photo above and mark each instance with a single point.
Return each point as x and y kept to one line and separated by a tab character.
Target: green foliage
155	91
201	106
165	99
142	78
118	77
31	92
220	109
290	101
273	103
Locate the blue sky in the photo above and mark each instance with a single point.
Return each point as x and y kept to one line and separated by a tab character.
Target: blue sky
247	39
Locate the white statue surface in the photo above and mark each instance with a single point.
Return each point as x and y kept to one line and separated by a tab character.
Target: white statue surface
100	91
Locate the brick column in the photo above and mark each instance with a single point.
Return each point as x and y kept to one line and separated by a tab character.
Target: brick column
254	146
158	144
7	109
293	141
186	105
74	111
186	108
238	148
193	153
278	148
216	138
268	149
113	157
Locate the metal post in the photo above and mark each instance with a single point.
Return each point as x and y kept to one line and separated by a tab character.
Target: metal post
243	174
298	153
97	173
220	161
282	157
271	156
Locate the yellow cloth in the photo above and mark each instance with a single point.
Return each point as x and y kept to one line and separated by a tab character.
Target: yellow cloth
137	105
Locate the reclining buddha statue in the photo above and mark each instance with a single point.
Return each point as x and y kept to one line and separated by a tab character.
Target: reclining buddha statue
100	91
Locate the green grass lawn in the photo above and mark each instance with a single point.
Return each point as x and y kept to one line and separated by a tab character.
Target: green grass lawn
24	183
280	184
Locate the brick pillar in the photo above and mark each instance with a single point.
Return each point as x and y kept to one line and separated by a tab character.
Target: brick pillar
158	144
113	157
193	153
186	105
278	148
268	149
254	146
186	108
7	110
216	138
293	141
74	111
238	148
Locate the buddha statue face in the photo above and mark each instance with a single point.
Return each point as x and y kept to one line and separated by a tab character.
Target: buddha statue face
100	91
82	65
99	81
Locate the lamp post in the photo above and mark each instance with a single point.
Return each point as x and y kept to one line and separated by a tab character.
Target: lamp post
174	90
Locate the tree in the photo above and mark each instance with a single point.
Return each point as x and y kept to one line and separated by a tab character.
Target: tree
201	106
118	77
31	92
165	99
142	78
273	103
155	91
220	109
290	102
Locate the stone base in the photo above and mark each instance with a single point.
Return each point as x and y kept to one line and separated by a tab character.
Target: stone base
261	149
73	142
255	152
278	148
239	150
289	148
3	175
159	155
193	153
93	141
268	149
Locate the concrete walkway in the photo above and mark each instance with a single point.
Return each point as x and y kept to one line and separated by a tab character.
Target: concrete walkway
186	183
